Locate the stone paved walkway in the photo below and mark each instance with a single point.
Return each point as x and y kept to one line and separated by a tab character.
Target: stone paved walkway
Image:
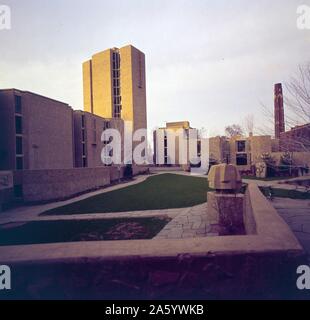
191	223
296	213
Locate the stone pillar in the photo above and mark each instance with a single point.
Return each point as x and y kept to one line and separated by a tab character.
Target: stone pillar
225	204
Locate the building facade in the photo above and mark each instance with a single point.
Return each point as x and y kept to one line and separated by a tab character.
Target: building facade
114	85
35	132
165	154
296	140
88	129
241	151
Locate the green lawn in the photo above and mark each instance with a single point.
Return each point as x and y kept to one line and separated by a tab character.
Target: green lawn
283	193
80	230
157	192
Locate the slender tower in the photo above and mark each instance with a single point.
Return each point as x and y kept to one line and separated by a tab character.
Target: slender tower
278	110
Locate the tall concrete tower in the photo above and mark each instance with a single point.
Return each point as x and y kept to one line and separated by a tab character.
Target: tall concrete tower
279	123
114	85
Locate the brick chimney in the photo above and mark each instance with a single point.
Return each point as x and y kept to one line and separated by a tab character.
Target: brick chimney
278	110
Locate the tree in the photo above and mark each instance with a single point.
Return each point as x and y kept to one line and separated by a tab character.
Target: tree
249	124
233	130
297	110
298	98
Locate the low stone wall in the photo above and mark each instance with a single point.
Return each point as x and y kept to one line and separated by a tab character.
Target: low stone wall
301	181
136	170
58	184
6	188
259	265
165	168
116	174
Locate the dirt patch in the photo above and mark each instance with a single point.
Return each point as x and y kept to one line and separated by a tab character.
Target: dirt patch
126	231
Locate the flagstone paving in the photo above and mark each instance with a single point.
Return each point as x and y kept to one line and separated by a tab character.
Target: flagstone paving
191	223
296	213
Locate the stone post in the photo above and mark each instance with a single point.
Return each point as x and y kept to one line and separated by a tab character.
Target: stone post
225	204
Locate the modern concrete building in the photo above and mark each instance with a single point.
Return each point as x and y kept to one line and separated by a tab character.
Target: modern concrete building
241	151
88	130
246	152
219	150
114	85
35	132
171	155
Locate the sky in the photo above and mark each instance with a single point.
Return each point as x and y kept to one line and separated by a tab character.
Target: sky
212	63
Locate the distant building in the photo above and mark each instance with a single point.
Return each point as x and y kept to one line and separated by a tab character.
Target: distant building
219	150
161	146
114	85
241	151
296	140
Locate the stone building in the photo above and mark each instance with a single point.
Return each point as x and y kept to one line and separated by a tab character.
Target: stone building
171	154
239	150
296	140
36	132
88	130
43	140
114	85
219	150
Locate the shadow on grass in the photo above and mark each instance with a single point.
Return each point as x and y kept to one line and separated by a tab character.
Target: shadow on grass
36	232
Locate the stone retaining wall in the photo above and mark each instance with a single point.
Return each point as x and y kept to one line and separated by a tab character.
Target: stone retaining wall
59	184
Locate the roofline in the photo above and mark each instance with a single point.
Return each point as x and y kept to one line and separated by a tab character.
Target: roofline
35	94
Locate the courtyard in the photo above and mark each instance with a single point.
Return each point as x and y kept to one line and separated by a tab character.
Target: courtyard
164	191
88	232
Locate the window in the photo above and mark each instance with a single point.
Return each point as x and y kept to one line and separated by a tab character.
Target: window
19	145
94	132
83	135
83	121
18	191
18	125
140	83
240	146
242	159
84	162
117	111
18	104
19	163
165	142
84	149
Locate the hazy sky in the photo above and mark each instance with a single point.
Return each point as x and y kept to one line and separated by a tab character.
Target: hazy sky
209	62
